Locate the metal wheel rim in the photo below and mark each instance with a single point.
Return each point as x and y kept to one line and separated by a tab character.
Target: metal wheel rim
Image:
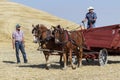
103	57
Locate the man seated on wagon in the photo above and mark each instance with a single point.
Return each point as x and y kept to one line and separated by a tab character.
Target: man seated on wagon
91	18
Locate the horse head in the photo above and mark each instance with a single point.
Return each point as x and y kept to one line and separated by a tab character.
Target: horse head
41	32
36	31
59	34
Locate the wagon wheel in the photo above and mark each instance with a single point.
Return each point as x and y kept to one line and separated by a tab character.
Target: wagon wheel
74	59
103	57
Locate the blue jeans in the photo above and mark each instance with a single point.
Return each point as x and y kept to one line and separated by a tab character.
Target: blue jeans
19	45
91	26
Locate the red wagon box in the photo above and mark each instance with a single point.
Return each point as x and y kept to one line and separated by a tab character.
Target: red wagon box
103	37
100	41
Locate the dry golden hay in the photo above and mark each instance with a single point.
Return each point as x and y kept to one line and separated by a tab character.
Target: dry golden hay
13	13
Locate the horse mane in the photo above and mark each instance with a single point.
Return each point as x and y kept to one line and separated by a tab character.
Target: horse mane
43	28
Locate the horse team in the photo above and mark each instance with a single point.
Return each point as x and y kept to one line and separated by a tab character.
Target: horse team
61	40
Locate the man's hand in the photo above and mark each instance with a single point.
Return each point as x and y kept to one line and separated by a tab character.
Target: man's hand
13	47
93	21
83	21
24	45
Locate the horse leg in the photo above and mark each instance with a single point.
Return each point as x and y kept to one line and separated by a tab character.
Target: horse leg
47	58
64	57
67	57
80	57
39	46
71	62
60	61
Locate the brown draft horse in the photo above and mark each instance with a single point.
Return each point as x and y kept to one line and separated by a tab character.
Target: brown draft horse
44	36
71	42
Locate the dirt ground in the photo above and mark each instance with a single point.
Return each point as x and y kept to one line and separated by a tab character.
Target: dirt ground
34	69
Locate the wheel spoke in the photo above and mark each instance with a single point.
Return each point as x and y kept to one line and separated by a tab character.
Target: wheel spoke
103	57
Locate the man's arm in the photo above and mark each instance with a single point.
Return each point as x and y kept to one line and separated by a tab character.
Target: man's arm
84	20
13	43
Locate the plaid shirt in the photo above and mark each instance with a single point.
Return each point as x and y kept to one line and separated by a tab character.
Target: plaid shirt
18	35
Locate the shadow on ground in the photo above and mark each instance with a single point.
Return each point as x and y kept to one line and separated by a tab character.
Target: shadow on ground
113	62
95	62
56	65
52	66
9	62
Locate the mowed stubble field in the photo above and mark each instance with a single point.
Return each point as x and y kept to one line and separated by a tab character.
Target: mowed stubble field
34	69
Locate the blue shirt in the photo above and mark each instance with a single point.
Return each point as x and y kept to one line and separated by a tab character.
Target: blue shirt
90	17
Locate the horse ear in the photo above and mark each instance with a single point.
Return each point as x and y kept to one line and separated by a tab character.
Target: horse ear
58	26
37	25
53	27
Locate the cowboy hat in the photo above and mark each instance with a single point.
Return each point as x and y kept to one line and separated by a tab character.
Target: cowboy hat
90	8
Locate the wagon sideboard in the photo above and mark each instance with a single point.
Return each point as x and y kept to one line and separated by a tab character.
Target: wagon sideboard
103	37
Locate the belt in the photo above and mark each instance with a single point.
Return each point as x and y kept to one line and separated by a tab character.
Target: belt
17	41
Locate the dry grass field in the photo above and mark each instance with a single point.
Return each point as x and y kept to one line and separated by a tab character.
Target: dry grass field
13	13
35	68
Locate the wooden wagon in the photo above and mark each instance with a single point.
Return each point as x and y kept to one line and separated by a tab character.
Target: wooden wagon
100	41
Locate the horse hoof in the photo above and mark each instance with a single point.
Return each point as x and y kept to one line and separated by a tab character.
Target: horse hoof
74	68
79	65
47	68
64	68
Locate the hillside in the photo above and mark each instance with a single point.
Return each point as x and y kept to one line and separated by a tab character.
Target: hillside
14	13
3	0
